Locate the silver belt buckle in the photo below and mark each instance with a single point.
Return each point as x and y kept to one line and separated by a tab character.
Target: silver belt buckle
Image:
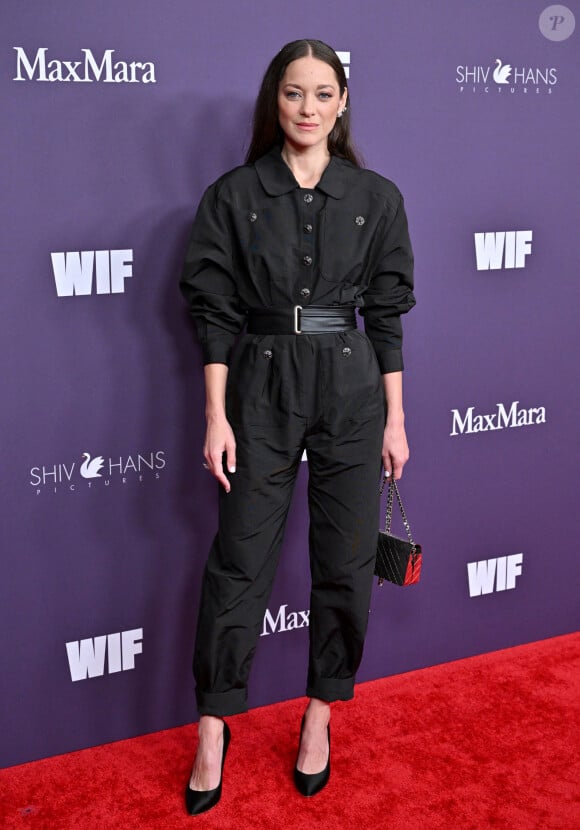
297	330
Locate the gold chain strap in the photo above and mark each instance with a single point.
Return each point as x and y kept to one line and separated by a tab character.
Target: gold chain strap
393	489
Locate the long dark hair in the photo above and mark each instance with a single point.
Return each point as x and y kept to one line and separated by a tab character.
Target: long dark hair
266	131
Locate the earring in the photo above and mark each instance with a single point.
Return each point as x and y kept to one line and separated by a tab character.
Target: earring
341	112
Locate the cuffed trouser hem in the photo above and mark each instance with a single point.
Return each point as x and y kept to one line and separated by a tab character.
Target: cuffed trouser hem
330	688
222	704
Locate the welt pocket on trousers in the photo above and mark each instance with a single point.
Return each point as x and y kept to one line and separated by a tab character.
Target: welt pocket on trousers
354	377
250	381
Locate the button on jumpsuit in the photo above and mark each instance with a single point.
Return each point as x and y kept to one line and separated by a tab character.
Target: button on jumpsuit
259	240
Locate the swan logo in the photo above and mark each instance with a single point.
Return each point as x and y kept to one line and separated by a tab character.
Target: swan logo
501	73
90	467
97	472
500	76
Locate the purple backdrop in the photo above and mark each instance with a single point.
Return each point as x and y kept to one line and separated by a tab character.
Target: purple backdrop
108	152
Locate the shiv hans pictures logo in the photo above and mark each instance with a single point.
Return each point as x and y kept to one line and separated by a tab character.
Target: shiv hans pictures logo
86	658
491	575
496	250
284	621
501	77
516	416
90	69
73	272
97	472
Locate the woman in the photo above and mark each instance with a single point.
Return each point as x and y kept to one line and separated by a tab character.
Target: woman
288	245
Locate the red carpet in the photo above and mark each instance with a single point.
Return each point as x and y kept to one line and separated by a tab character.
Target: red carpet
491	741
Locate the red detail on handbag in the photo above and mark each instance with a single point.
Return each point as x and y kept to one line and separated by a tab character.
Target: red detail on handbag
413	573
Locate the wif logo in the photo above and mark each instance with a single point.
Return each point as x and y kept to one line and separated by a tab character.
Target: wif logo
86	658
77	273
491	575
495	250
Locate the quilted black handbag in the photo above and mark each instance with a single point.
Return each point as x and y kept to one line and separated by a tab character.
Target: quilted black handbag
398	560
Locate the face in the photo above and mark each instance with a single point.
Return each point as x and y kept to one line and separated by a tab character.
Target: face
308	102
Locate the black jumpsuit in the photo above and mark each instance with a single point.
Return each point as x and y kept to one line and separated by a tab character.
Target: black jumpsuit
259	240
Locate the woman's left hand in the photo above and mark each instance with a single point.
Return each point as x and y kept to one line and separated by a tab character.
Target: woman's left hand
395	449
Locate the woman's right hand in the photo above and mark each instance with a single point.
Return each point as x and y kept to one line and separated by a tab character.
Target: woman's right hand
219	439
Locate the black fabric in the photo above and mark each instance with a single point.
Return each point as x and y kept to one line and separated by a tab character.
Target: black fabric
260	240
323	393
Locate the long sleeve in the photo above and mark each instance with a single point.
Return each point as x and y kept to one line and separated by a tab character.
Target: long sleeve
208	280
390	292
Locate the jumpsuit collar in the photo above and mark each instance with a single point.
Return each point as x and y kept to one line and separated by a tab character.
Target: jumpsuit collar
276	177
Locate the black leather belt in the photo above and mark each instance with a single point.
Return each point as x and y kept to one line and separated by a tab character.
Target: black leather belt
322	319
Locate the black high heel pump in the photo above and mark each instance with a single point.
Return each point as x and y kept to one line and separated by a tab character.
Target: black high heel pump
309	785
199	801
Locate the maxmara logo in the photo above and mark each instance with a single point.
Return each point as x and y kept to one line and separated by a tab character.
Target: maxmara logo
469	422
39	66
495	250
95	472
79	273
110	653
501	77
284	621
